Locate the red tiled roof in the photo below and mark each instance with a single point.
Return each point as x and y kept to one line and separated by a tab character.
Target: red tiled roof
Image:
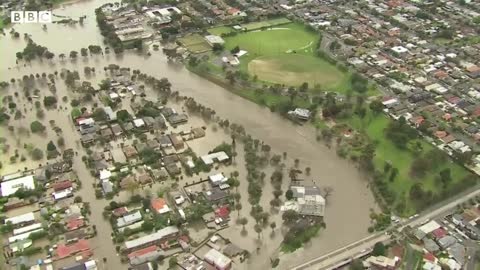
158	204
439	233
440	134
143	251
74	224
64	251
232	11
429	257
62	185
120	211
222	212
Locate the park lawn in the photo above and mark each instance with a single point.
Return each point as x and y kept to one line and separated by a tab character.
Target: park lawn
402	159
291	61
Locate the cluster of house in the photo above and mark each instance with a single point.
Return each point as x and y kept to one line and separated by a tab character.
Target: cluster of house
130	24
442	246
426	62
33	209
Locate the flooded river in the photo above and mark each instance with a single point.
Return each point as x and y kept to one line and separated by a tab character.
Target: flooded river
347	215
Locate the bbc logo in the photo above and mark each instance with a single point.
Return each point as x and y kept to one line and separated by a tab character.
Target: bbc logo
31	16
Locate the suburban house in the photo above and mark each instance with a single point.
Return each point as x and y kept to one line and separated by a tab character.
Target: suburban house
159	206
218	259
9	187
165	234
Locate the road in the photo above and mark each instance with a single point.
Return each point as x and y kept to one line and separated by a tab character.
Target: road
331	260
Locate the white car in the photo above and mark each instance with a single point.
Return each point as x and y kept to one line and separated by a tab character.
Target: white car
179	199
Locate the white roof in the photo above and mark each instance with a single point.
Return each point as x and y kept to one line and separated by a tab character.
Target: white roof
218	178
87	121
10	187
27	228
62	194
138	122
28	217
114	95
105	174
210	158
129	219
108	110
399	49
429	227
151	237
217	258
212	39
22	236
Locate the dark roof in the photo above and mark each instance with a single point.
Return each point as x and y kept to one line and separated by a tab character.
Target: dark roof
215	194
77	266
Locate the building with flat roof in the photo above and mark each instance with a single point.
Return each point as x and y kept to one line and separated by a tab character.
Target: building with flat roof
9	187
151	239
218	260
129	219
211	158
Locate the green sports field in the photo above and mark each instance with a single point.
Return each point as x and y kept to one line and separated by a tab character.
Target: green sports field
286	54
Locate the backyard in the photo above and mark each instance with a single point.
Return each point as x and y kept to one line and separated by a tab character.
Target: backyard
291	62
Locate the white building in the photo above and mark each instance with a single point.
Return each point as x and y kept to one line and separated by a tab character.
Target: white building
217	259
217	179
218	156
308	202
212	40
25	218
8	188
129	219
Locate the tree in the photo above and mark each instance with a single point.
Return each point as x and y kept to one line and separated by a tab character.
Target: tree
238	207
243	221
379	249
289	217
49	101
258	229
99	114
327	191
84	52
124	116
445	177
51	146
289	194
37	154
37	127
73	54
273	225
376	106
172	262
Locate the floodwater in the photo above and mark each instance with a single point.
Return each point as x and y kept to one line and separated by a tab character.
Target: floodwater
347	215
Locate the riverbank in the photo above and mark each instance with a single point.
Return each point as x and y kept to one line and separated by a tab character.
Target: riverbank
390	167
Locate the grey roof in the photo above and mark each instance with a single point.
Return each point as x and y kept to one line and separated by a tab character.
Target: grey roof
215	194
77	266
419	234
447	241
457	251
107	186
430	245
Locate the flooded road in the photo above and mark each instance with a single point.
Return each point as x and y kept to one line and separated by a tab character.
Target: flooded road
347	214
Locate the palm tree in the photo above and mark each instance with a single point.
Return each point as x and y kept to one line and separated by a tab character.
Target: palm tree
307	170
243	221
273	225
238	207
297	162
258	229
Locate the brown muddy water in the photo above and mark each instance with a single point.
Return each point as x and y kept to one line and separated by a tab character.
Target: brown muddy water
347	215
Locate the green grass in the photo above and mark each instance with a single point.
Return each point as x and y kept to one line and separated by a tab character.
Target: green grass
195	43
402	159
220	30
287	56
